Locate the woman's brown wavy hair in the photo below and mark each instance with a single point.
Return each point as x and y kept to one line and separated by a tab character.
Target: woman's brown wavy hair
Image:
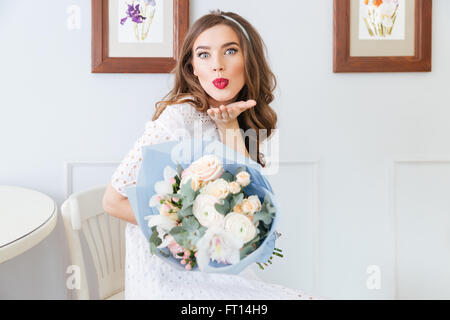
260	82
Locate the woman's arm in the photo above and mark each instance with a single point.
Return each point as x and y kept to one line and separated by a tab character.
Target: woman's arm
232	137
225	118
117	205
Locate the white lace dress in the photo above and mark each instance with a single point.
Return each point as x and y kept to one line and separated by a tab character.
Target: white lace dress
150	277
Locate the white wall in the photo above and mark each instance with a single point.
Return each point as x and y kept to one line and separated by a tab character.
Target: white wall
351	140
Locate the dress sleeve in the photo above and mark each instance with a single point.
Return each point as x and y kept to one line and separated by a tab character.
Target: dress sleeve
159	131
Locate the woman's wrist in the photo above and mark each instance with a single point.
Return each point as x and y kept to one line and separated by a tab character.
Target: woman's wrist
230	125
231	136
228	131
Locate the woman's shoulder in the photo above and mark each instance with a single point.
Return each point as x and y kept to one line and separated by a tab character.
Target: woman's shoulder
182	116
179	115
186	111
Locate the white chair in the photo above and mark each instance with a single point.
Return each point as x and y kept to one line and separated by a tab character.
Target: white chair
83	213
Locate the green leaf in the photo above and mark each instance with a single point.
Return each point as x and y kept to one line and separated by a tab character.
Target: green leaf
228	176
267	212
188	233
263	216
176	230
187	204
185	212
246	250
186	191
244	168
180	237
195	235
179	170
154	237
249	247
235	199
262	231
223	208
254	240
270	208
190	224
154	240
152	248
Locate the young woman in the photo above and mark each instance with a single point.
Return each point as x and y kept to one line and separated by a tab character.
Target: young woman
223	82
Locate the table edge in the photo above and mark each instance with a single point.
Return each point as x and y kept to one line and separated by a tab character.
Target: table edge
31	239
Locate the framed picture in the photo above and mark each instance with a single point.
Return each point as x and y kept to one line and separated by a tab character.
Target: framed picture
382	36
137	36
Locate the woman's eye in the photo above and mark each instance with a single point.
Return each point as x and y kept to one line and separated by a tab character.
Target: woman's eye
200	55
234	50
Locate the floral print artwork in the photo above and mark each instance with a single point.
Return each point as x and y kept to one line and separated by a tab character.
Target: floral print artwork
139	14
382	19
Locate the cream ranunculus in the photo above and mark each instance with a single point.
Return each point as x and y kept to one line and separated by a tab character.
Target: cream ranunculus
256	203
218	188
240	226
205	212
234	187
238	208
243	178
206	168
251	204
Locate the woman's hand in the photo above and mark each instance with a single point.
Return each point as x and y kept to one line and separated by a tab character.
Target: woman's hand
225	116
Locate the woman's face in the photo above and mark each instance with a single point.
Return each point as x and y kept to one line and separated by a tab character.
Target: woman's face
217	54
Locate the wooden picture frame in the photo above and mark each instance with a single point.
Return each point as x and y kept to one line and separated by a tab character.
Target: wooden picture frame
103	62
419	61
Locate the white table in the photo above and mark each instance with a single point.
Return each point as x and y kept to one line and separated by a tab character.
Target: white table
26	218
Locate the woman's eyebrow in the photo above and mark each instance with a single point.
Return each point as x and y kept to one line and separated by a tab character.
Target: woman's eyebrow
223	46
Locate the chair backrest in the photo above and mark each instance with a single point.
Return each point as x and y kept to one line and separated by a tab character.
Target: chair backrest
83	214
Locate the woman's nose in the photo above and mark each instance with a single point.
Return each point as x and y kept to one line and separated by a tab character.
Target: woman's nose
217	64
217	68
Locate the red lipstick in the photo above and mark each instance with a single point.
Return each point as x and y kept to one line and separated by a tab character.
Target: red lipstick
220	83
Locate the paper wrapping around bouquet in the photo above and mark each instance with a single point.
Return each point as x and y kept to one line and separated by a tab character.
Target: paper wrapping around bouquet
156	157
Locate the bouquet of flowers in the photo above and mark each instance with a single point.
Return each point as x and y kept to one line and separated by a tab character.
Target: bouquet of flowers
212	214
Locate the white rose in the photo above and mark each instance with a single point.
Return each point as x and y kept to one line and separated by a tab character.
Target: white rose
240	226
205	212
243	178
234	187
206	168
218	188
